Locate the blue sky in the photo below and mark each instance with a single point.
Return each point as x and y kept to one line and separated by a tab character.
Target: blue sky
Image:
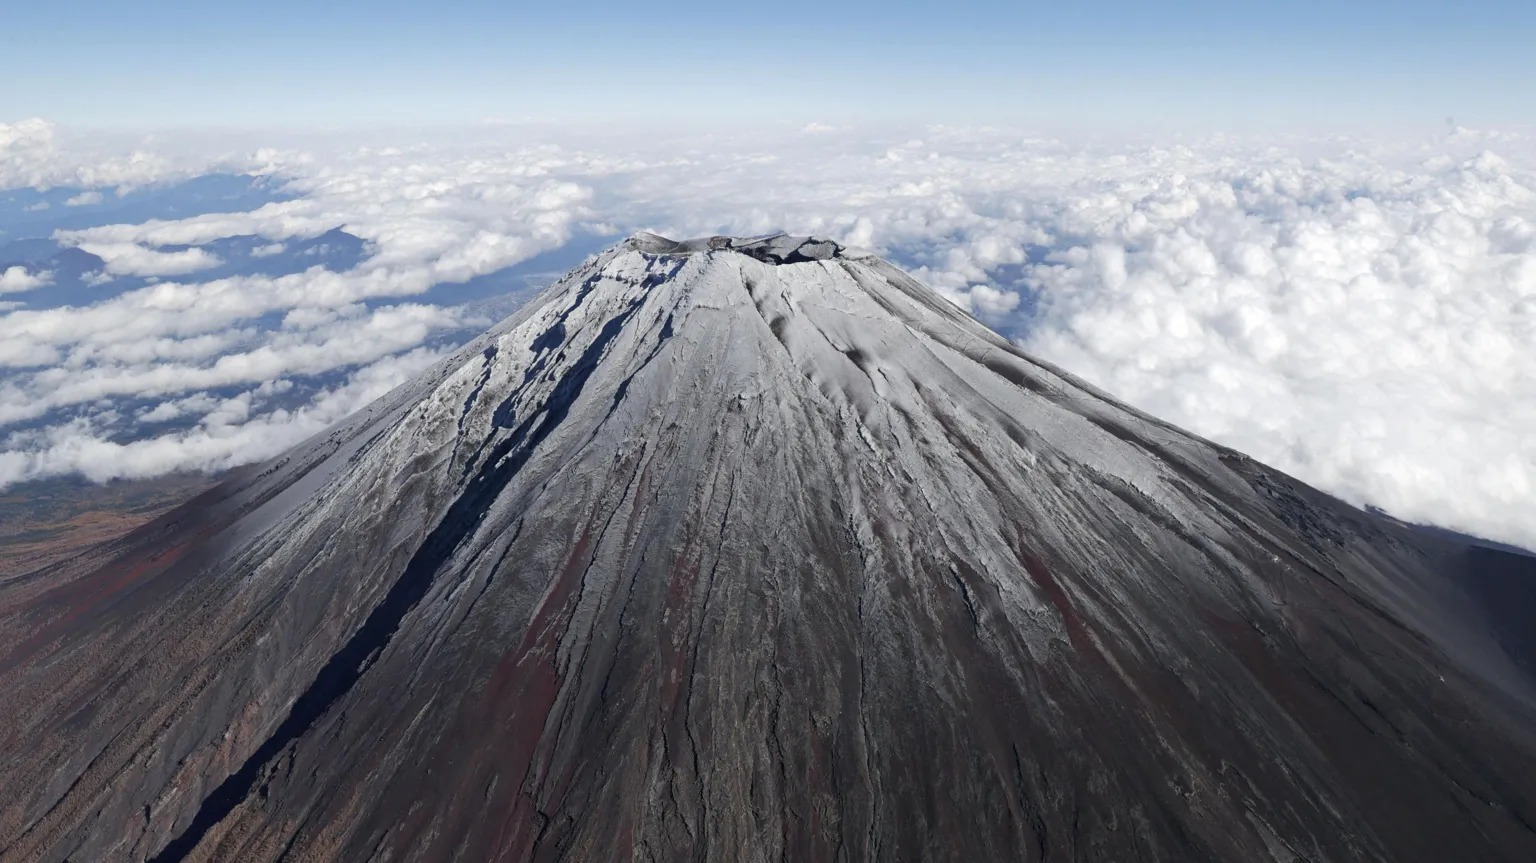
347	63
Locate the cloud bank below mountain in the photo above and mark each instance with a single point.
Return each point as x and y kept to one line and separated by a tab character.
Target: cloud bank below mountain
1353	312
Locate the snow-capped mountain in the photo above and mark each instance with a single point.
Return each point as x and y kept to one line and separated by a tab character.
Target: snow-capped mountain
760	550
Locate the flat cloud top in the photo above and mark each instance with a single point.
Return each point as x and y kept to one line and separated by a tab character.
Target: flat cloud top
1353	312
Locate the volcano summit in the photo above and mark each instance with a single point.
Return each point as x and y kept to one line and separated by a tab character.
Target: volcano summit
760	550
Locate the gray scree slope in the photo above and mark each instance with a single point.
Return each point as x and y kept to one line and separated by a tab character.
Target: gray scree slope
759	550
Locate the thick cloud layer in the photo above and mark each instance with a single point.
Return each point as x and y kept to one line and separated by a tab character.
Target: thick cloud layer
1370	331
31	155
1356	313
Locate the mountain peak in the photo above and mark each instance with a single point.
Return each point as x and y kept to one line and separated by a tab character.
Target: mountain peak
751	548
777	248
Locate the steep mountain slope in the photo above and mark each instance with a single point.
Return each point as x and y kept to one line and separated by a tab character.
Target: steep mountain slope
759	550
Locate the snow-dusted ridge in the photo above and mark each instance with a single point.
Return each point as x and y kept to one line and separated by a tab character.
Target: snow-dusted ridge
759	549
777	248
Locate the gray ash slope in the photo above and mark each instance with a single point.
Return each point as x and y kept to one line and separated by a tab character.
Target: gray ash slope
760	550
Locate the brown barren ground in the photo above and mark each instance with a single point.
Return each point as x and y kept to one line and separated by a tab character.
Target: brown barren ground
48	521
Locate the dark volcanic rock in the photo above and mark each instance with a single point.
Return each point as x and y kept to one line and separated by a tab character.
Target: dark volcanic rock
759	550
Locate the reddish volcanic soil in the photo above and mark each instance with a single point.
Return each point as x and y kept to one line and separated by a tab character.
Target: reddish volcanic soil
48	521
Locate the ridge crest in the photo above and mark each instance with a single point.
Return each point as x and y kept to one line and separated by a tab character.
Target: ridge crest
777	249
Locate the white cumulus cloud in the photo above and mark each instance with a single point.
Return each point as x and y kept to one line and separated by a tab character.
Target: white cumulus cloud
84	199
18	279
132	259
1355	312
